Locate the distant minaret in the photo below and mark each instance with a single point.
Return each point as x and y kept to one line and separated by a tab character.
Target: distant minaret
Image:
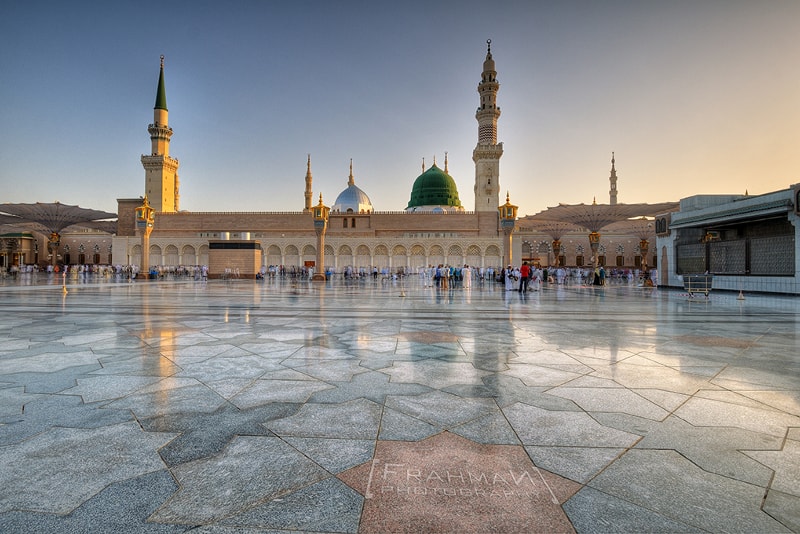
308	186
351	180
488	151
160	170
613	179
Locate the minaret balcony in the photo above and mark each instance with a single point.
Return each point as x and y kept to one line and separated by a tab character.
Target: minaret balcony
159	131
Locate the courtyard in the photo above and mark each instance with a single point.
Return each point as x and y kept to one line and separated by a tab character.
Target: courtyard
238	406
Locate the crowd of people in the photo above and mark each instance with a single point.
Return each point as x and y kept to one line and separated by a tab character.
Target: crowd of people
529	277
526	277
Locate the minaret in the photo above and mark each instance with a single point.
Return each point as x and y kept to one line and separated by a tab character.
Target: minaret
351	180
161	184
488	151
308	186
612	194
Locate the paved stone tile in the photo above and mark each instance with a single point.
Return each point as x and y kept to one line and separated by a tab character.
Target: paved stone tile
442	409
783	462
595	512
611	400
327	506
202	435
57	470
536	426
575	463
170	395
492	428
717	450
45	412
705	412
121	507
13	399
251	470
47	362
398	426
784	508
435	373
334	455
656	377
784	401
668	484
136	362
261	392
356	419
227	366
507	390
100	388
374	386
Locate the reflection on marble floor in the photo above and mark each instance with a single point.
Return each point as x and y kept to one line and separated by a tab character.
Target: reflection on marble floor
271	406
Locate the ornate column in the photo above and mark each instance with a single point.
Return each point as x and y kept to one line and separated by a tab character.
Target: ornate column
145	216
508	217
644	247
320	212
557	252
594	245
53	241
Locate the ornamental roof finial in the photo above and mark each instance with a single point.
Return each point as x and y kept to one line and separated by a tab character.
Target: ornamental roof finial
351	180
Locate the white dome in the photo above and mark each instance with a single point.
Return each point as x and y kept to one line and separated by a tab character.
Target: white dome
352	199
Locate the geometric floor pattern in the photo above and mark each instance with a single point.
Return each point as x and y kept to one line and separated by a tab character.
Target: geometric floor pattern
379	406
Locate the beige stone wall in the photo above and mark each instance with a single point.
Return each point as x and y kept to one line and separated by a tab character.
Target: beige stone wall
246	262
126	216
395	239
302	224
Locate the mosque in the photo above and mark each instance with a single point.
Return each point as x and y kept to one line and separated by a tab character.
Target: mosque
434	228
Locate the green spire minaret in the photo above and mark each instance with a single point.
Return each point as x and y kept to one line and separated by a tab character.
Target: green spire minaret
161	185
161	93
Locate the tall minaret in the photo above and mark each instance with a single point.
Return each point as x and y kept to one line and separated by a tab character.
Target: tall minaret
612	194
160	170
308	186
488	151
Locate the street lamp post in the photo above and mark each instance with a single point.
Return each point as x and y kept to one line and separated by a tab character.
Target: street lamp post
557	252
145	217
594	245
320	212
508	217
53	241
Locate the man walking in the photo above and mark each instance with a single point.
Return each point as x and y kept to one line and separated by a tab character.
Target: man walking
524	277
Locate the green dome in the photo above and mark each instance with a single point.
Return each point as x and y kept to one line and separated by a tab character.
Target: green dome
434	187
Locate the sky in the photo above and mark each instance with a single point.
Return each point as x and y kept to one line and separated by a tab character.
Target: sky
692	96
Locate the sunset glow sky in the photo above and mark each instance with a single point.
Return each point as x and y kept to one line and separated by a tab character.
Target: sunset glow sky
694	97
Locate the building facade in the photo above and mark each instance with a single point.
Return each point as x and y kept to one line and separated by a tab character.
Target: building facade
748	243
433	229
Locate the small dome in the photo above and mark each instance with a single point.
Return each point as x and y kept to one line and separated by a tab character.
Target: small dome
352	199
434	187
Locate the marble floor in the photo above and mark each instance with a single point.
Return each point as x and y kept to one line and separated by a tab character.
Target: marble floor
377	406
